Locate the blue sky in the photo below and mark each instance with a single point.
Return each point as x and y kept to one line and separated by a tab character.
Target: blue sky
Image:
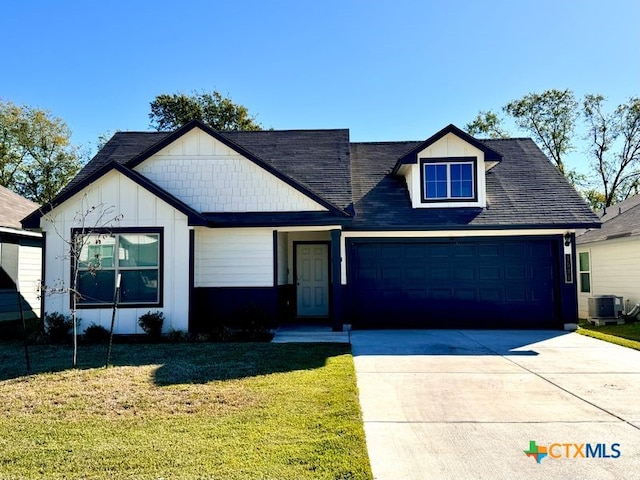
387	70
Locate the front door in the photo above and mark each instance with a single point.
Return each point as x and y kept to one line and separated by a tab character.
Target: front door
312	279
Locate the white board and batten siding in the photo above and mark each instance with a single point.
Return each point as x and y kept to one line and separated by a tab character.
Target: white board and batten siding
615	270
139	208
449	146
29	275
233	257
211	177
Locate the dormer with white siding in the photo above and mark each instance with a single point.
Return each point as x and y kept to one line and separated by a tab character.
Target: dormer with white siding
447	171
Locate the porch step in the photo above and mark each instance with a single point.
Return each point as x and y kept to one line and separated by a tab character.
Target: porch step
309	334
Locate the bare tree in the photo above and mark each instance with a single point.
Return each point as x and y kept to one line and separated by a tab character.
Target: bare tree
91	225
614	146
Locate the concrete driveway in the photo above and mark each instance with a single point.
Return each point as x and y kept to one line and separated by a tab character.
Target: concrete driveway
465	404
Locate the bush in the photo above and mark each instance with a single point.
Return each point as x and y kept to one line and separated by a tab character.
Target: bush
177	336
151	323
58	327
252	324
96	335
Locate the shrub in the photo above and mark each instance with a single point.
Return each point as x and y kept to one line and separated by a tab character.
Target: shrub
151	323
252	324
96	334
58	327
177	336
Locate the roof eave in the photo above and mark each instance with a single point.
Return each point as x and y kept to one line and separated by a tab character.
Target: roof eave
412	157
33	220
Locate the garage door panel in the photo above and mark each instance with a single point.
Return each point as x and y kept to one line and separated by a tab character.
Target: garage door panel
465	273
439	273
436	284
515	272
489	273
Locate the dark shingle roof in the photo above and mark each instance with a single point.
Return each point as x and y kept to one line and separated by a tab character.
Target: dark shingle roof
524	190
317	159
14	208
619	220
121	148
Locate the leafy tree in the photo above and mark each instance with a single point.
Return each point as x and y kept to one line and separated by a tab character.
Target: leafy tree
36	157
550	118
487	123
614	147
169	112
613	139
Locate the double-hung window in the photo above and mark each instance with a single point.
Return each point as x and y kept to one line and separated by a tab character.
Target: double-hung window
449	180
584	268
134	255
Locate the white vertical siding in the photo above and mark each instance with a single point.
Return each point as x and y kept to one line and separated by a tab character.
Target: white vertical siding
29	275
138	208
615	270
234	257
210	177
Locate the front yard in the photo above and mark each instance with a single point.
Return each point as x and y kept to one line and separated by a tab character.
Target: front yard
210	411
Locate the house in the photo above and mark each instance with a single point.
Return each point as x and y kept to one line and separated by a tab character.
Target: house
609	258
20	259
305	225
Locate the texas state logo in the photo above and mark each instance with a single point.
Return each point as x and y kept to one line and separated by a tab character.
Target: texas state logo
572	450
536	451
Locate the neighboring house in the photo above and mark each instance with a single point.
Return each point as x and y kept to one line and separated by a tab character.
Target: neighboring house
305	225
20	258
609	258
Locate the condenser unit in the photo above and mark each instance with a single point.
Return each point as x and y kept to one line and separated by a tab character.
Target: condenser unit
605	309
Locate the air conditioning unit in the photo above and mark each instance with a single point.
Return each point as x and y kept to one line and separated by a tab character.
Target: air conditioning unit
604	309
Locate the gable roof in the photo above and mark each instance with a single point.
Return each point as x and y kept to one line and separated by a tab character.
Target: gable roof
33	220
357	181
524	190
13	208
411	157
314	162
619	220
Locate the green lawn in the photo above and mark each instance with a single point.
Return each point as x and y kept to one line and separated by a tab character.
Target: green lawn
627	335
209	411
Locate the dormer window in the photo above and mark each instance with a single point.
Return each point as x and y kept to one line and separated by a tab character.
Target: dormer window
449	179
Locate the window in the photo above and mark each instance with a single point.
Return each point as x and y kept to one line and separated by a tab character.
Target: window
585	272
449	180
134	255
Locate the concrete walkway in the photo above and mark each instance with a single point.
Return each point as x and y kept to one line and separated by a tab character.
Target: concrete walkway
466	404
309	334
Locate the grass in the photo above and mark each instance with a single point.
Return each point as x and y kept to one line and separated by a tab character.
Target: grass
196	411
627	335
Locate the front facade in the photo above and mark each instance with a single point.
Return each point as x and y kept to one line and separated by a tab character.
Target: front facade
308	226
608	258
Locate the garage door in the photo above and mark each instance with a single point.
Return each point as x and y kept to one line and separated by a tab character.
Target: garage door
511	283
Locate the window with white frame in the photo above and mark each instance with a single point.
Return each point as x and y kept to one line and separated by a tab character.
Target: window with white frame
584	267
134	255
449	180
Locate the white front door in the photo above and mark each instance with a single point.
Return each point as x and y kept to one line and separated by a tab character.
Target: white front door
312	272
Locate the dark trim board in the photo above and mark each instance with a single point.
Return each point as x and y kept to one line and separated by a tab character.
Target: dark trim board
215	307
471	282
448	160
161	276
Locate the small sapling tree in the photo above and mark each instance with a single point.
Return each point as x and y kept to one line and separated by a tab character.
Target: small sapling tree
92	224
